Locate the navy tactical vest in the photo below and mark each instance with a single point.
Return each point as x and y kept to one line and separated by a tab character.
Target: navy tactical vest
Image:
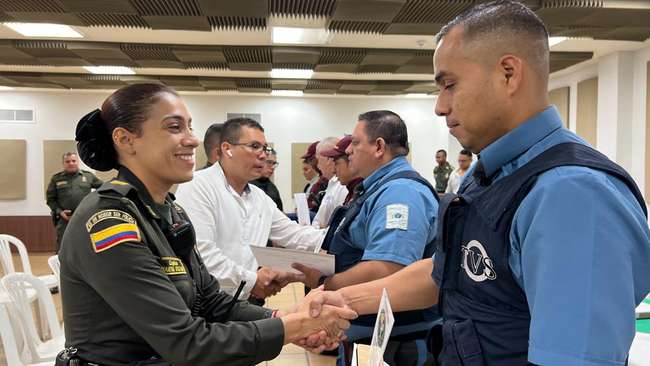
338	242
485	312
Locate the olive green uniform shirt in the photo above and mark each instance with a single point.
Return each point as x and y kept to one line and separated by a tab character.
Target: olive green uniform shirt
130	291
441	174
65	192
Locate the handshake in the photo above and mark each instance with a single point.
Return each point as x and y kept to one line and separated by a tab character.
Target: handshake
270	281
319	322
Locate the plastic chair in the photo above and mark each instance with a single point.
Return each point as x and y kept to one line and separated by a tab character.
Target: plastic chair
55	266
51	281
9	341
17	285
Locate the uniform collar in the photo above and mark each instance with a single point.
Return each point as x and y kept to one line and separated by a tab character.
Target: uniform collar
519	140
396	163
124	174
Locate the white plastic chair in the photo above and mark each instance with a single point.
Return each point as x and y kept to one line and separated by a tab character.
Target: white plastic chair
55	266
17	285
6	241
9	341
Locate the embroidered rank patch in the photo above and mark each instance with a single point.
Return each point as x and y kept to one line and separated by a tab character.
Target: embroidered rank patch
173	266
109	228
397	217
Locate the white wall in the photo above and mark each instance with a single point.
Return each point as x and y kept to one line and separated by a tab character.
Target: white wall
286	120
621	115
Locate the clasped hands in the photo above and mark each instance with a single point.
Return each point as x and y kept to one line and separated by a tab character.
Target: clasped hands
270	281
319	322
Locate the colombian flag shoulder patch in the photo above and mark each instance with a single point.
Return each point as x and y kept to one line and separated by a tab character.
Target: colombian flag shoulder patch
109	228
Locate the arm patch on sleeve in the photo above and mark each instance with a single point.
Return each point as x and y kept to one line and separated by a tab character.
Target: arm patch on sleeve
397	217
109	228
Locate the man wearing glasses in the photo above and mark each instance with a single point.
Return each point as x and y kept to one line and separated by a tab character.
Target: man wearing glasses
265	183
230	215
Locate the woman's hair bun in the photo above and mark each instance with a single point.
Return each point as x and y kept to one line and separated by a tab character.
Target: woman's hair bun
94	142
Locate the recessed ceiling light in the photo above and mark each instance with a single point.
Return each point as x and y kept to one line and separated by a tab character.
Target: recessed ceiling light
115	70
552	41
2	87
287	93
44	30
291	73
418	95
295	35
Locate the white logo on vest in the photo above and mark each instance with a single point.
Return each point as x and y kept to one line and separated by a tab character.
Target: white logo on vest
477	264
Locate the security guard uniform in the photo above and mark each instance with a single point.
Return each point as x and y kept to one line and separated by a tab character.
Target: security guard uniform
405	235
441	175
134	288
509	269
65	192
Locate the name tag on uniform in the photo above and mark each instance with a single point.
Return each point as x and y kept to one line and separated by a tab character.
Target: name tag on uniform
397	217
173	266
61	183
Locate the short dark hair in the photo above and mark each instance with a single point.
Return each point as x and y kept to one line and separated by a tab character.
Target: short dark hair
389	126
443	151
500	20
212	138
466	153
67	153
231	131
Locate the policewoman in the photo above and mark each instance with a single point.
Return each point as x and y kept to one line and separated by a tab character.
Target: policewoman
134	290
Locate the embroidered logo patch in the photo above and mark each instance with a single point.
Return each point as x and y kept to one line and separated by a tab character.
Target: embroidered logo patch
397	217
173	266
476	263
109	228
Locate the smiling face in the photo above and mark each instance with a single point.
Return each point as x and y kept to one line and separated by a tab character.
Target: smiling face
162	153
470	98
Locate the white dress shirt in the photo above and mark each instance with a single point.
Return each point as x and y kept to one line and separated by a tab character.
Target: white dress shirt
227	224
334	196
454	181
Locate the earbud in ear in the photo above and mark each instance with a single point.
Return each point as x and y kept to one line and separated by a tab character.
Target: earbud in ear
228	153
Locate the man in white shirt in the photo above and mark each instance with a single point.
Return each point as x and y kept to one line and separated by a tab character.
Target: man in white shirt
456	177
336	192
230	216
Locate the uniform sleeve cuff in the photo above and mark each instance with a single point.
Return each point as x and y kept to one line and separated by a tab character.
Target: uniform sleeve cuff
543	357
271	339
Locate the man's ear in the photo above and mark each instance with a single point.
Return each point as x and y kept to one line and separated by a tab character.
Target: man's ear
380	146
123	140
511	69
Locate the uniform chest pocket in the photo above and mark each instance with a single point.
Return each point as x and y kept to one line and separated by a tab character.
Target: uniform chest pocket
62	186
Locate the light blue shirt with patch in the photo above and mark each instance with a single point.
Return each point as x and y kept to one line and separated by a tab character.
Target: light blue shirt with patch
397	221
580	250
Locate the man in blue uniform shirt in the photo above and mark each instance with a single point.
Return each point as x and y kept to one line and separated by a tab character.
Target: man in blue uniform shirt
544	253
389	224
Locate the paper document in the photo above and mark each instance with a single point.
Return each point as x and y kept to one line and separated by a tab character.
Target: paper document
282	258
383	328
302	209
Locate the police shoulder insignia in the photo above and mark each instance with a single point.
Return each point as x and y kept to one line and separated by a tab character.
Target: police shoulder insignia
109	228
397	217
173	266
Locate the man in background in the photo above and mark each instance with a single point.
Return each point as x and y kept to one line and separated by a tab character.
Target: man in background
442	172
66	190
336	192
455	179
211	142
265	183
316	190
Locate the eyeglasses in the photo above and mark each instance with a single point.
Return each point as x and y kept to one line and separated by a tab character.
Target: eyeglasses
255	146
272	163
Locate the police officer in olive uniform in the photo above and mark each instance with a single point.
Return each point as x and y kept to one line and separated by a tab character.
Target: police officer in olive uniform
134	289
442	171
66	190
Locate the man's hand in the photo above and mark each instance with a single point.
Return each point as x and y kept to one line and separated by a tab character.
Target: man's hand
284	278
320	333
311	275
65	215
265	285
